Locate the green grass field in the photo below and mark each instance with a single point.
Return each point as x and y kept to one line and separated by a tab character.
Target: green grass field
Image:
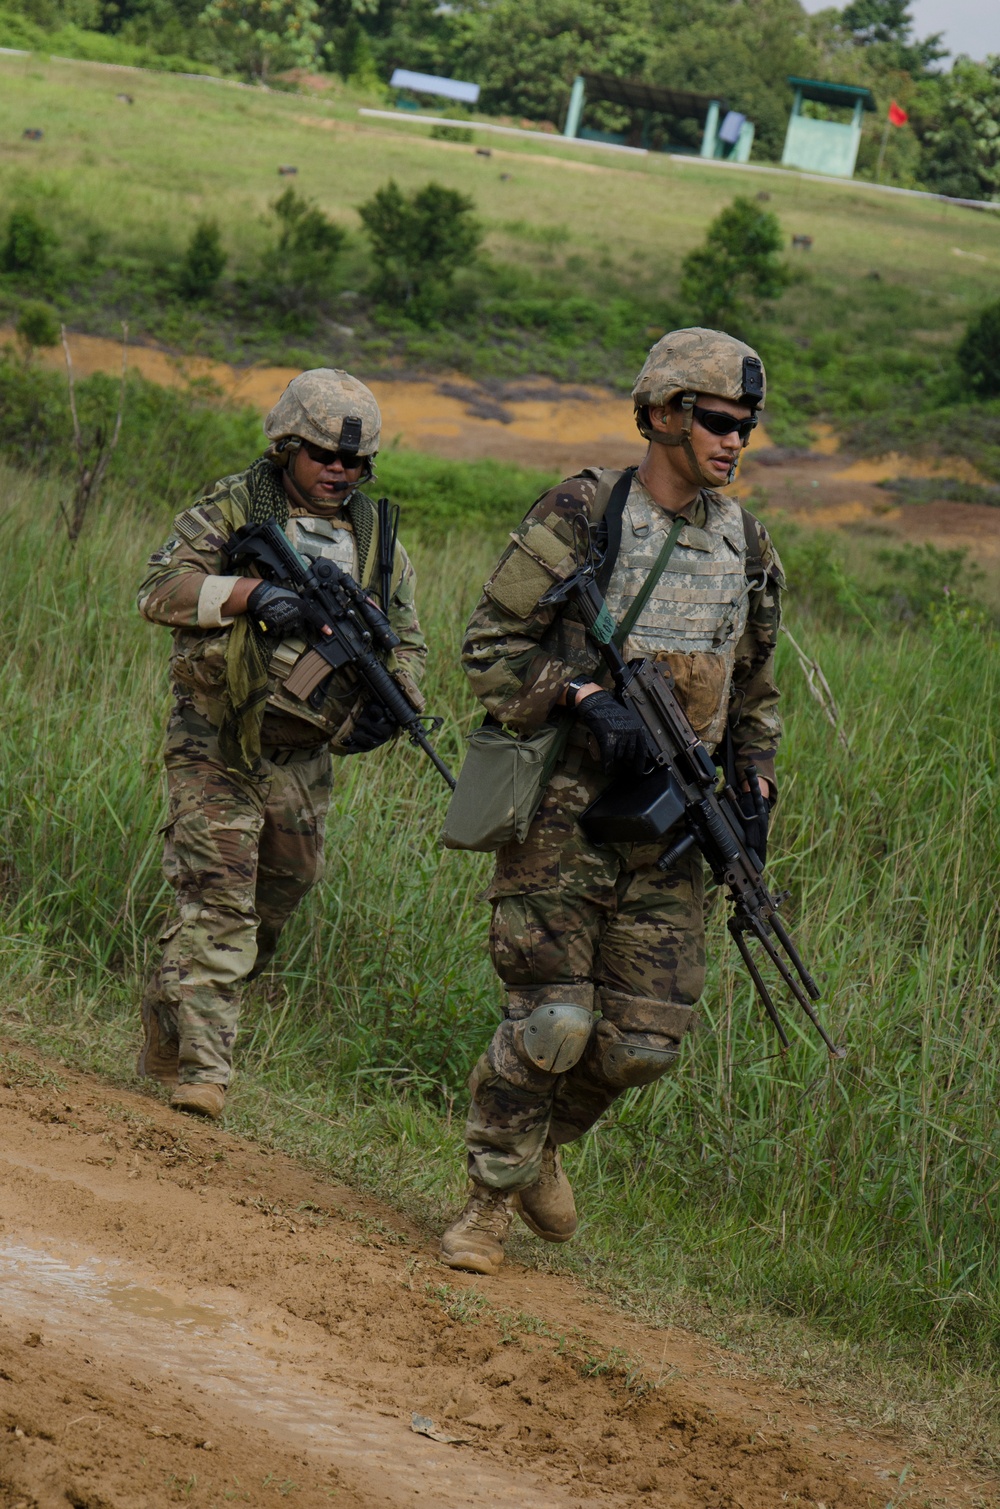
585	244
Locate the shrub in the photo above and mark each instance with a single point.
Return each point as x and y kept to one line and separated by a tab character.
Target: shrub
204	261
301	265
737	264
979	351
37	326
419	241
29	244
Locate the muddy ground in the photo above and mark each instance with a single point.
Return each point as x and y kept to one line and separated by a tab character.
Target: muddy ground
186	1317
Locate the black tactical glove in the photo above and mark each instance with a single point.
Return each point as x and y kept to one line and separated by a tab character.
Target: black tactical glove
277	610
375	726
620	733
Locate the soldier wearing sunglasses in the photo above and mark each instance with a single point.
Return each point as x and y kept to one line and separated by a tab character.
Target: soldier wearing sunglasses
249	769
601	954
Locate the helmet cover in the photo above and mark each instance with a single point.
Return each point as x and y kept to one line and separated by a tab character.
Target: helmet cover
330	408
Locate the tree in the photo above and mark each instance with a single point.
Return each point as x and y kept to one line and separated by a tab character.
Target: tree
526	53
979	352
266	35
737	265
204	261
299	267
419	241
960	133
888	26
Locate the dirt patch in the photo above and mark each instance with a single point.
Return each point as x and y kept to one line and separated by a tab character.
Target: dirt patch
563	428
189	1318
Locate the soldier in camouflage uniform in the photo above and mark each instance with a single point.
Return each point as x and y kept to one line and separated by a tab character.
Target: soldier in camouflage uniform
602	955
249	769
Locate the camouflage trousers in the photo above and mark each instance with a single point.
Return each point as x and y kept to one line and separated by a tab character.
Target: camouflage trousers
598	928
240	855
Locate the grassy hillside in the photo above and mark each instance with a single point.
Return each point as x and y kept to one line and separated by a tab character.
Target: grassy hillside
583	248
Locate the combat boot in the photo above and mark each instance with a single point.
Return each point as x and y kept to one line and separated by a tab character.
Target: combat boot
200	1100
474	1241
156	1059
547	1207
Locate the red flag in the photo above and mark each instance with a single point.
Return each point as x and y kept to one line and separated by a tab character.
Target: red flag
897	115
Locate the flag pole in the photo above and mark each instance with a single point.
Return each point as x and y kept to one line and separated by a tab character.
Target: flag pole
881	150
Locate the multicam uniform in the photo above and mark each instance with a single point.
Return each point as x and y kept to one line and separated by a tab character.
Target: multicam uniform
602	928
242	851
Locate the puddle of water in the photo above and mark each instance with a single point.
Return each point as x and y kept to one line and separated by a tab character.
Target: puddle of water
97	1305
135	1300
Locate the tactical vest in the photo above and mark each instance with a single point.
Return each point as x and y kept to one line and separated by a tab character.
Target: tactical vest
698	610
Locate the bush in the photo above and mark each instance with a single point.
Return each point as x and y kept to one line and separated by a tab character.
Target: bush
979	351
301	265
419	241
204	261
36	326
29	245
738	263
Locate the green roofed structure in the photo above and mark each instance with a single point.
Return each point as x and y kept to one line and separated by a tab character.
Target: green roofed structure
825	146
725	133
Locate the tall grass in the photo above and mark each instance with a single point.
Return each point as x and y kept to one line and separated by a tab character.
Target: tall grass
862	1194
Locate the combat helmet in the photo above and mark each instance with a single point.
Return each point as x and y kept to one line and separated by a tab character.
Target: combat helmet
328	407
692	361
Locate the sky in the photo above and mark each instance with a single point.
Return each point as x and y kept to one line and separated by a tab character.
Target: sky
971	26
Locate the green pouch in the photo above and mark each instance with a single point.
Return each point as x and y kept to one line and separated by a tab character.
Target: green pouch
501	785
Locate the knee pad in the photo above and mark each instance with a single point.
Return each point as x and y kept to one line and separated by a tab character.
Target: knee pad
637	1039
549	1038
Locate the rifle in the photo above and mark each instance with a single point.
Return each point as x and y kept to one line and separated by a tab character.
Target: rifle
347	626
680	794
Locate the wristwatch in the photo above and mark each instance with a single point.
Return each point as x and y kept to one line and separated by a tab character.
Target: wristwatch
574	688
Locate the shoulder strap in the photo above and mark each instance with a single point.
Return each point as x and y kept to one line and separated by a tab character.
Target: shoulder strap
609	505
754	561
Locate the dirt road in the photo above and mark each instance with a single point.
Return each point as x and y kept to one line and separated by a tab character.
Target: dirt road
188	1318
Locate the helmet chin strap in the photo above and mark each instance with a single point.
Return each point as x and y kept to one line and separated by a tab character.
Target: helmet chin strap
688	401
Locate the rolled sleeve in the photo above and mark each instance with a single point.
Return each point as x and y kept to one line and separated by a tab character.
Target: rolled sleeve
214	594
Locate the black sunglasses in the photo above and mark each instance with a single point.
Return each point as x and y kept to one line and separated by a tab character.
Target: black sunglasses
717	423
323	457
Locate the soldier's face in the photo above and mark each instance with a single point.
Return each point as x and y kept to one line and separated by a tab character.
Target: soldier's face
715	453
324	476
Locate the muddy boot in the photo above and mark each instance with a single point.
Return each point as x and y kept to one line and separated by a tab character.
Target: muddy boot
474	1241
200	1100
547	1207
157	1059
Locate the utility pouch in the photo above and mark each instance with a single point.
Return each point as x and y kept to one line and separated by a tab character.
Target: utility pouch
501	785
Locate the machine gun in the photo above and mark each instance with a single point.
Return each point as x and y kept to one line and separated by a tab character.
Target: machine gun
347	629
679	796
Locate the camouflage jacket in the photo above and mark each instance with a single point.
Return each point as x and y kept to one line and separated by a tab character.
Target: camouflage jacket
714	627
187	586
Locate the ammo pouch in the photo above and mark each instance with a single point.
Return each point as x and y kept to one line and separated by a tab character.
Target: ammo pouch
501	785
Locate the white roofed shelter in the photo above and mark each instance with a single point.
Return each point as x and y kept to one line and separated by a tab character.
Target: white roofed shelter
429	83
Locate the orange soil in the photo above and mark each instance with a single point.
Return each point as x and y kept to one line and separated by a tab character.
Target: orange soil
560	428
